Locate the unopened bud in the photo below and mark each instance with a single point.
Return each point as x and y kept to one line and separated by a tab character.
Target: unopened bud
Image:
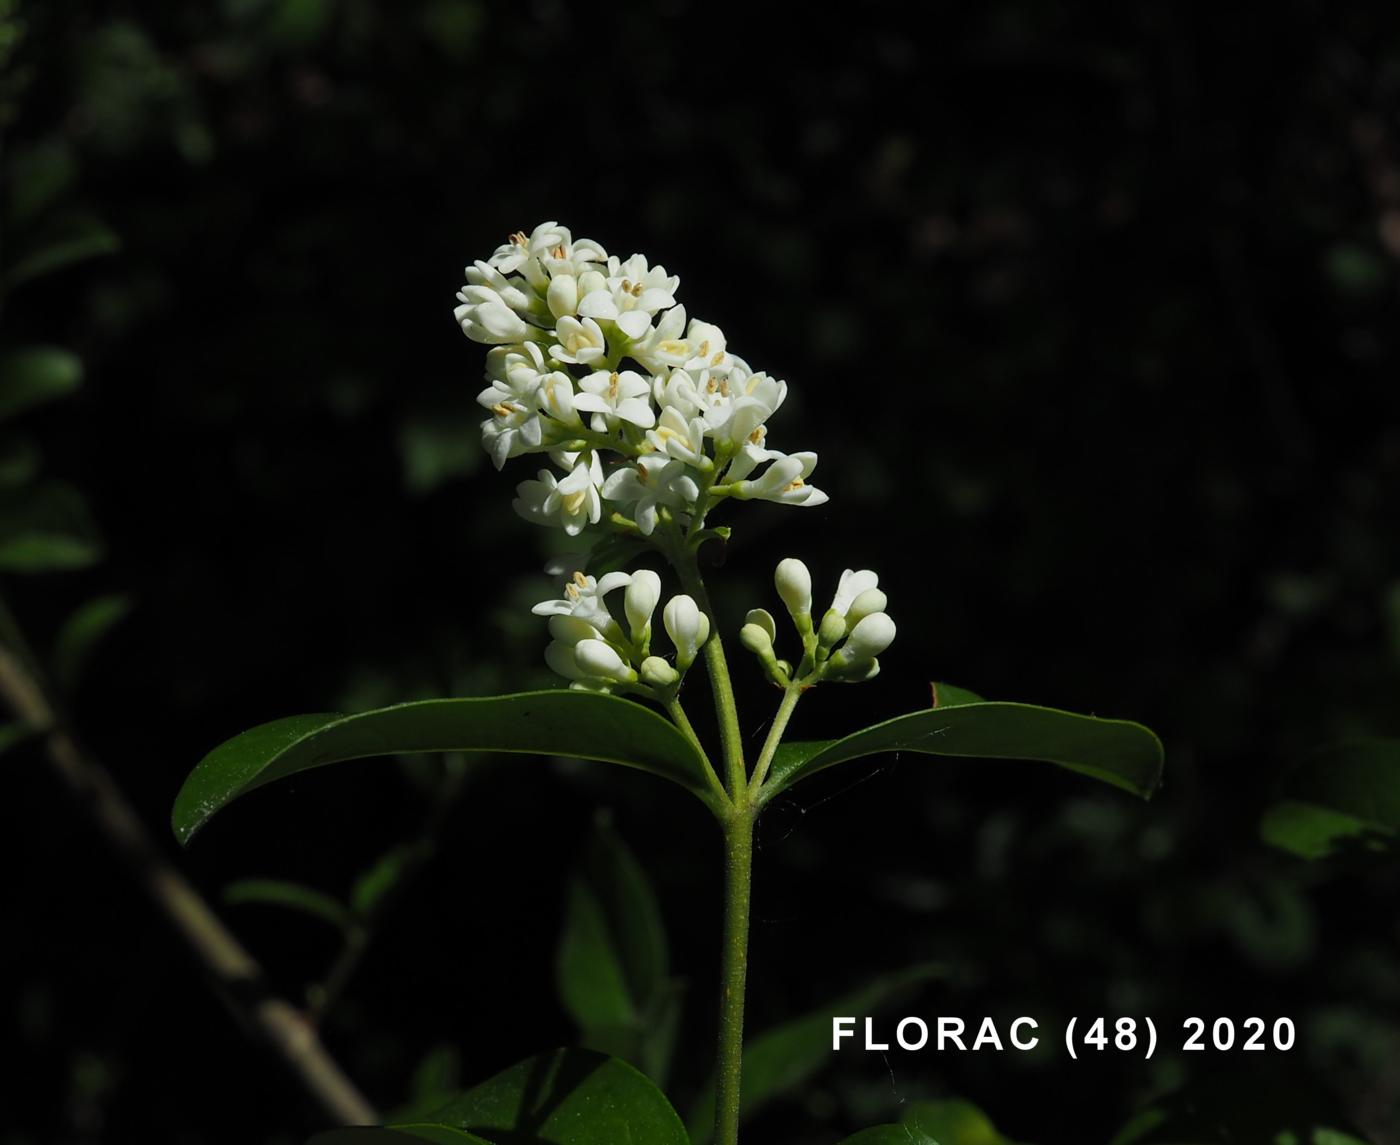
794	585
601	660
639	602
656	672
688	628
871	601
833	627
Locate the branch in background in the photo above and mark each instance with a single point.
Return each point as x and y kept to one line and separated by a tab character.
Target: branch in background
236	973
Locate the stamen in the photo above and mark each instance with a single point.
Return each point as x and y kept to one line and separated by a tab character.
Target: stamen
580	579
519	238
612	386
500	409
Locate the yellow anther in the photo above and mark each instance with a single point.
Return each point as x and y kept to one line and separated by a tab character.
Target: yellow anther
573	502
612	385
724	387
642	474
500	409
704	348
626	286
792	486
636	290
718	358
580	579
519	239
758	435
558	252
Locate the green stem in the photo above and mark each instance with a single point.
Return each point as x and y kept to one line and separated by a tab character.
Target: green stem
729	1066
682	721
791	695
687	567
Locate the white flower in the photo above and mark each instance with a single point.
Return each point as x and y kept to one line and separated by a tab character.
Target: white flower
518	249
515	429
579	343
707	344
855	659
654	480
794	584
613	397
583	600
631	295
484	317
679	437
784	481
570	504
662	345
687	627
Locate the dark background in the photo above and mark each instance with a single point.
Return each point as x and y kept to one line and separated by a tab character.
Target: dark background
1090	314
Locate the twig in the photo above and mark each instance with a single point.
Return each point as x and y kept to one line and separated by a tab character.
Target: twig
236	973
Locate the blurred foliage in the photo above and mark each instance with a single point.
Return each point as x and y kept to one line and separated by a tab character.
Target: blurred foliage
1092	318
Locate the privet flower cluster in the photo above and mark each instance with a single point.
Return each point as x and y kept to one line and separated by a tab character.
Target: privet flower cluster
640	409
598	653
843	647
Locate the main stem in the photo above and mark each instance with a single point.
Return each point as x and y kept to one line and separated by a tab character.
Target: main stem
729	1066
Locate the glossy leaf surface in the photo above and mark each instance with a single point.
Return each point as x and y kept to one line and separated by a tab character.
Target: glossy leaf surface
1118	752
566	723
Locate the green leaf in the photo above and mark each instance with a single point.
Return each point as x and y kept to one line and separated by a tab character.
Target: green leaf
1346	793
950	1122
294	896
783	1059
1121	753
83	632
612	966
36	374
950	696
70	239
583	724
46	529
567	1097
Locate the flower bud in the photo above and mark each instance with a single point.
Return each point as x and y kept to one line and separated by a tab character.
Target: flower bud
559	655
851	585
794	584
563	296
871	601
757	641
688	628
659	674
764	619
870	637
639	602
595	658
833	627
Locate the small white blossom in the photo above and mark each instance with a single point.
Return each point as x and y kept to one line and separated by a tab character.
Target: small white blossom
484	317
653	481
571	503
679	437
663	345
583	600
579	342
784	481
632	294
613	397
